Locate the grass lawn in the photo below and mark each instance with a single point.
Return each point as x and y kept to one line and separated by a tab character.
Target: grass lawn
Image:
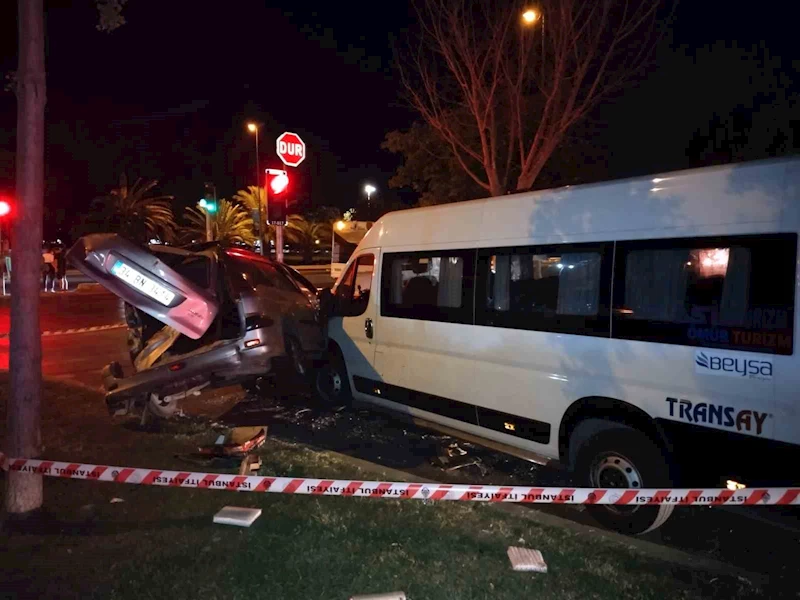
161	542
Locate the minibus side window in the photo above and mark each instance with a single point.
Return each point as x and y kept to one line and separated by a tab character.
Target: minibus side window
563	288
430	286
732	292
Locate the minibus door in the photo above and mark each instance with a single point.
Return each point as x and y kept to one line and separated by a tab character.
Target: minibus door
353	325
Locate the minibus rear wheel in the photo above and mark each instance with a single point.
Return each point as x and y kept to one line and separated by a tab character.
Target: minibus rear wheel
618	456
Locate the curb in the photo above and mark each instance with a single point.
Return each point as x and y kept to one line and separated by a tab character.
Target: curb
76	330
651	549
302	268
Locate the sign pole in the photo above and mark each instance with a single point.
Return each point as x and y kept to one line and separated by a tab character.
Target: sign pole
264	219
211	191
279	243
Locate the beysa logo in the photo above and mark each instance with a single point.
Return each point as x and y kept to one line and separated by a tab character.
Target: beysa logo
750	421
732	366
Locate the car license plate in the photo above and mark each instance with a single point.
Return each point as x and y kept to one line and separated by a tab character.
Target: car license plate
142	283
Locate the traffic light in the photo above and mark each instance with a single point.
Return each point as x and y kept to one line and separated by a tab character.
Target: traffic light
209	201
277	186
208	205
5	208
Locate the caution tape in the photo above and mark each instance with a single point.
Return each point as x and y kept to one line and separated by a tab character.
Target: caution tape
402	490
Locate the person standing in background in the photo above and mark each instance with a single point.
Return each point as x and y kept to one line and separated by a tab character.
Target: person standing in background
48	269
61	269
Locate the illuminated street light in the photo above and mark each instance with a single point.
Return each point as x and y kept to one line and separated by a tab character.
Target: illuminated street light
253	128
369	189
530	16
340	225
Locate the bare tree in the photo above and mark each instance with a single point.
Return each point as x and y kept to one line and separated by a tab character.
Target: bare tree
503	90
24	490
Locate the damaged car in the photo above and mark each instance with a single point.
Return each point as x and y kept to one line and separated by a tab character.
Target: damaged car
200	316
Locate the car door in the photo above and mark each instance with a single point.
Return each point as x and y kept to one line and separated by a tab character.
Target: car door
145	281
353	325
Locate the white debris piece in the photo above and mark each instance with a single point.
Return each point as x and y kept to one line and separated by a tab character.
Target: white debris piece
236	515
386	596
525	559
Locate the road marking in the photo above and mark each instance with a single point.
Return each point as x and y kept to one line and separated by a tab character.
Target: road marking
78	330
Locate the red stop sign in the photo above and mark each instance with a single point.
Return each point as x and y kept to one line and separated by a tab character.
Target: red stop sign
291	149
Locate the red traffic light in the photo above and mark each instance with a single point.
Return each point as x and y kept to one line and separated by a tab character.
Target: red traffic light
279	183
5	208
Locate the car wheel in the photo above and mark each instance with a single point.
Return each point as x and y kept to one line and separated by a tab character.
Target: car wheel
160	407
618	456
333	384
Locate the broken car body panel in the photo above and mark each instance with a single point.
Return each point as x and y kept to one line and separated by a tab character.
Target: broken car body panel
143	280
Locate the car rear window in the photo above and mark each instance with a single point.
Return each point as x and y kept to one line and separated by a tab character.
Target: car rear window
196	269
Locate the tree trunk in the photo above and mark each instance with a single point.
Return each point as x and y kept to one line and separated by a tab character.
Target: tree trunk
24	491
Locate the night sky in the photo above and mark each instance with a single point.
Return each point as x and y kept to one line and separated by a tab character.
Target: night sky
167	96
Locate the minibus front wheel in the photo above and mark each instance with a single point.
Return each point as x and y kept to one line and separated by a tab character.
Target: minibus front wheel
333	383
618	456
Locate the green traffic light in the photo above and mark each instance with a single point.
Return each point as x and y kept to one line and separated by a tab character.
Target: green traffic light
210	207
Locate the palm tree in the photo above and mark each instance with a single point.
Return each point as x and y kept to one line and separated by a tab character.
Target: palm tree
231	224
307	235
138	215
250	199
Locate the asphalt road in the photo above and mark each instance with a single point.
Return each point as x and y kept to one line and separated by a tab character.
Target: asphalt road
70	310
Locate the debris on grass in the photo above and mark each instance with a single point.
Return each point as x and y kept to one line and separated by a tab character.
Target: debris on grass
387	596
239	442
473	462
526	559
455	450
250	463
237	515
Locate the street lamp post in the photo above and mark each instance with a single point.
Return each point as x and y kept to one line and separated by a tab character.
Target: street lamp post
369	189
253	128
529	18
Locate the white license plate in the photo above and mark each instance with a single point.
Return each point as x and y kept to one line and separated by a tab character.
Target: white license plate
142	283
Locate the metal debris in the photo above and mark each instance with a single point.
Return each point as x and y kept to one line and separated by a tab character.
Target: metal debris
475	462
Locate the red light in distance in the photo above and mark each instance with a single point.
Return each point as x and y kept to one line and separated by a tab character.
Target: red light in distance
279	183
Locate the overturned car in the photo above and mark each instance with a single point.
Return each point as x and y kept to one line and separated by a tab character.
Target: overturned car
200	316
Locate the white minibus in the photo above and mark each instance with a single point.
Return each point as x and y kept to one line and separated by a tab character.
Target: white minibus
640	332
